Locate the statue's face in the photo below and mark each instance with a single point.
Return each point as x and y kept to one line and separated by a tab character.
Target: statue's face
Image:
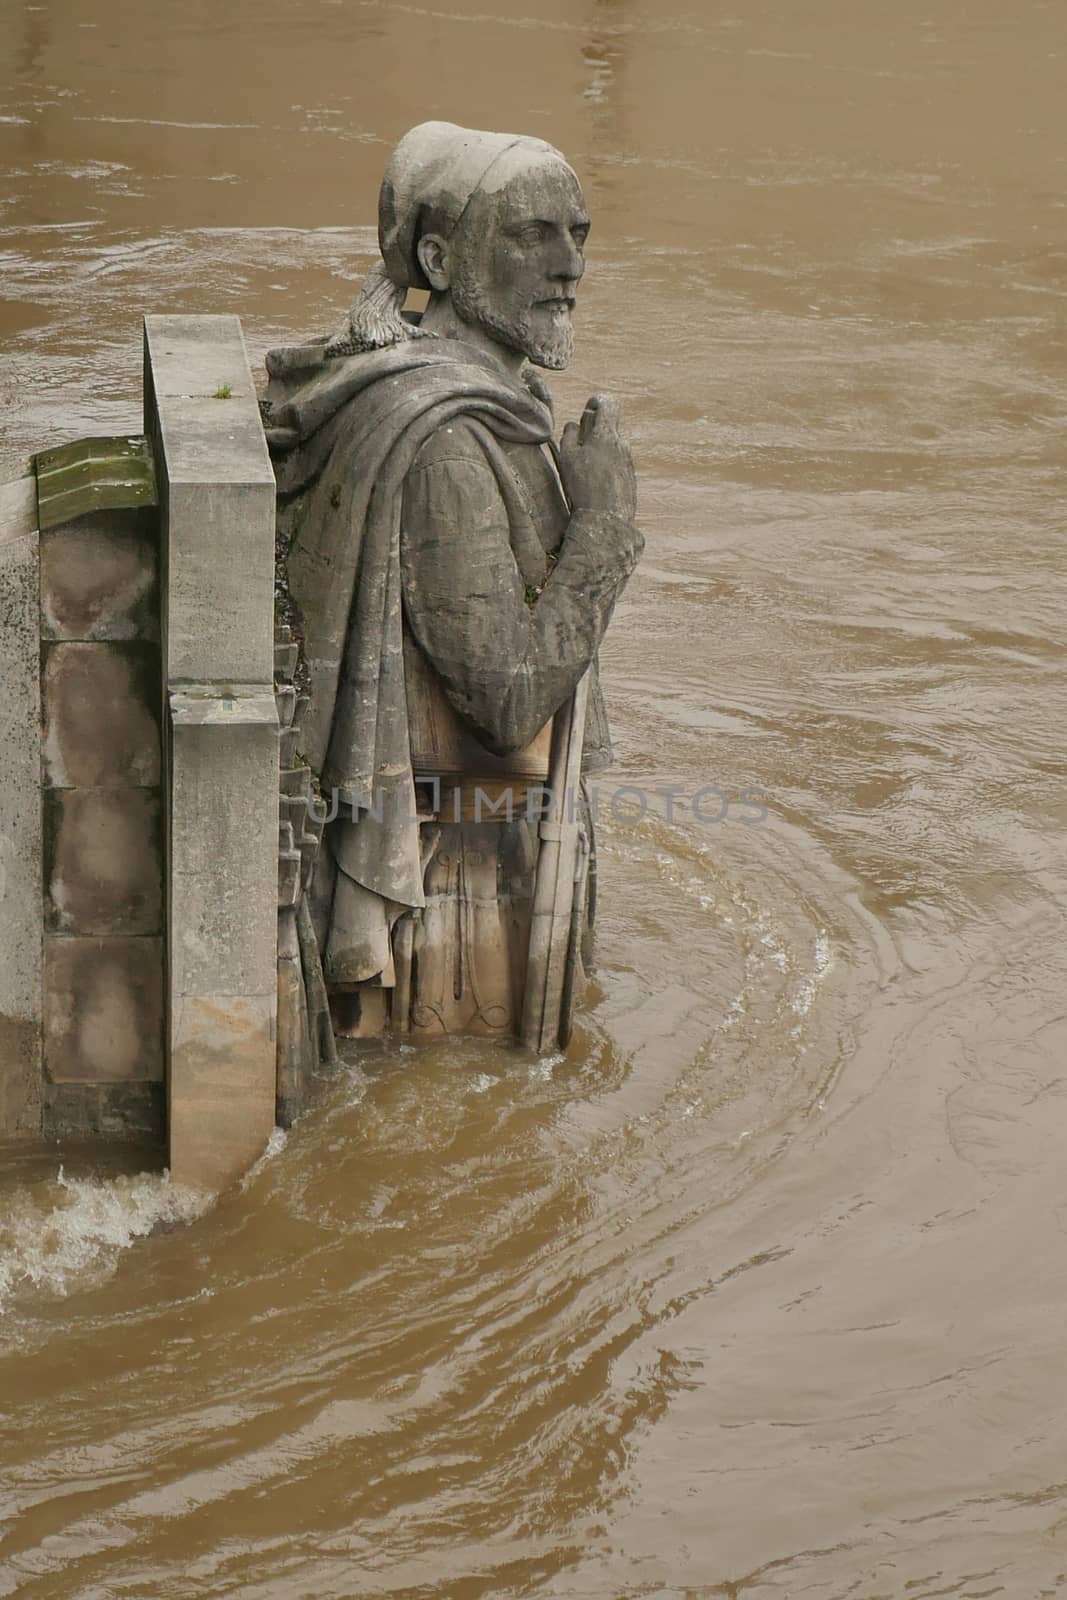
518	257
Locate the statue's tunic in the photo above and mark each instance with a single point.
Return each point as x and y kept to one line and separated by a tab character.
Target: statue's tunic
431	539
506	650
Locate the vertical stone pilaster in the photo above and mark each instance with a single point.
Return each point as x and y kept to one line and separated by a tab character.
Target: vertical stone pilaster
221	789
217	488
223	931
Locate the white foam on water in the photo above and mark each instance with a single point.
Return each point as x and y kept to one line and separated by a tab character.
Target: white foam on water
546	1065
801	1001
482	1082
68	1233
274	1146
735	1009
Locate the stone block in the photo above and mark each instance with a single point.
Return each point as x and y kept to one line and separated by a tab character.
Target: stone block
101	709
20	813
289	876
20	1077
194	357
112	1111
223	931
220	587
100	577
103	861
221	1085
224	843
103	1010
217	491
286	657
285	700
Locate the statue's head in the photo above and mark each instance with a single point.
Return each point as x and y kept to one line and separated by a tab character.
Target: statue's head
494	223
513	261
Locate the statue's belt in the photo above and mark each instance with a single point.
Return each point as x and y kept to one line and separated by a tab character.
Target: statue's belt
444	799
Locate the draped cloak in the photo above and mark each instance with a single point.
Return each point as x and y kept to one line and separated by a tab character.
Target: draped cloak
343	435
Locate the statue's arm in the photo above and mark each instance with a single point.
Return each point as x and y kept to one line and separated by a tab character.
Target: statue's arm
506	666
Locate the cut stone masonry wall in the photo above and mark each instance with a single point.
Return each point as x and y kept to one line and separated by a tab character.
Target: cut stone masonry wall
102	825
81	901
142	892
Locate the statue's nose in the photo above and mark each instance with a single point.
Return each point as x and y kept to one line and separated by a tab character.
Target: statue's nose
568	262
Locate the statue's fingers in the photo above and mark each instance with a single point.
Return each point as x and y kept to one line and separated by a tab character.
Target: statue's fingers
569	440
606	413
589	417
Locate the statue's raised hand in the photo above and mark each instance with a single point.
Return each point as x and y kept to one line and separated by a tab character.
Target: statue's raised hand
595	463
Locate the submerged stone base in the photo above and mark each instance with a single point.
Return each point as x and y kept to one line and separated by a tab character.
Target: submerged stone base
221	1107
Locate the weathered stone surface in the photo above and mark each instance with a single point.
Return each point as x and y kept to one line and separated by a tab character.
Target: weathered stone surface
224	705
223	931
100	577
18	508
94	475
103	861
295	1053
224	844
194	357
98	606
20	814
112	1111
221	1099
220	589
218	495
100	704
20	1077
285	700
103	1010
289	873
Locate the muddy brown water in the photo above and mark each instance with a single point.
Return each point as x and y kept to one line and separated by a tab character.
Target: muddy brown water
761	1291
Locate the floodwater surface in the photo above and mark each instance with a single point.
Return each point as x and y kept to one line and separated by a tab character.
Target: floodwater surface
761	1291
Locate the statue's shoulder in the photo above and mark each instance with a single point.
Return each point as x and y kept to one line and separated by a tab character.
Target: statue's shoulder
457	442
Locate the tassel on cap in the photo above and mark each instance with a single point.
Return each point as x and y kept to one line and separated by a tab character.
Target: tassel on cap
375	319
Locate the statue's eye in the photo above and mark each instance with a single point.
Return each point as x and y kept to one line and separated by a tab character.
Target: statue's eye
580	235
531	233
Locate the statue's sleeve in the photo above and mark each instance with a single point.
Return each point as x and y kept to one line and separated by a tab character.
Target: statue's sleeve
506	665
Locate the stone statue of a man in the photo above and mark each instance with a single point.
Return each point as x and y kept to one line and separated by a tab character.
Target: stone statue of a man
454	573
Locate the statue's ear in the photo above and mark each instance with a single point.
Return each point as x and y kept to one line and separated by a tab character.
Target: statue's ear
434	261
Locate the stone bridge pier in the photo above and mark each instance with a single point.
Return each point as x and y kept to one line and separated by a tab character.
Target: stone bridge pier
139	793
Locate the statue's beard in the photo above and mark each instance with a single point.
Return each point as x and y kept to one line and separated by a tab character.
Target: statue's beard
550	347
